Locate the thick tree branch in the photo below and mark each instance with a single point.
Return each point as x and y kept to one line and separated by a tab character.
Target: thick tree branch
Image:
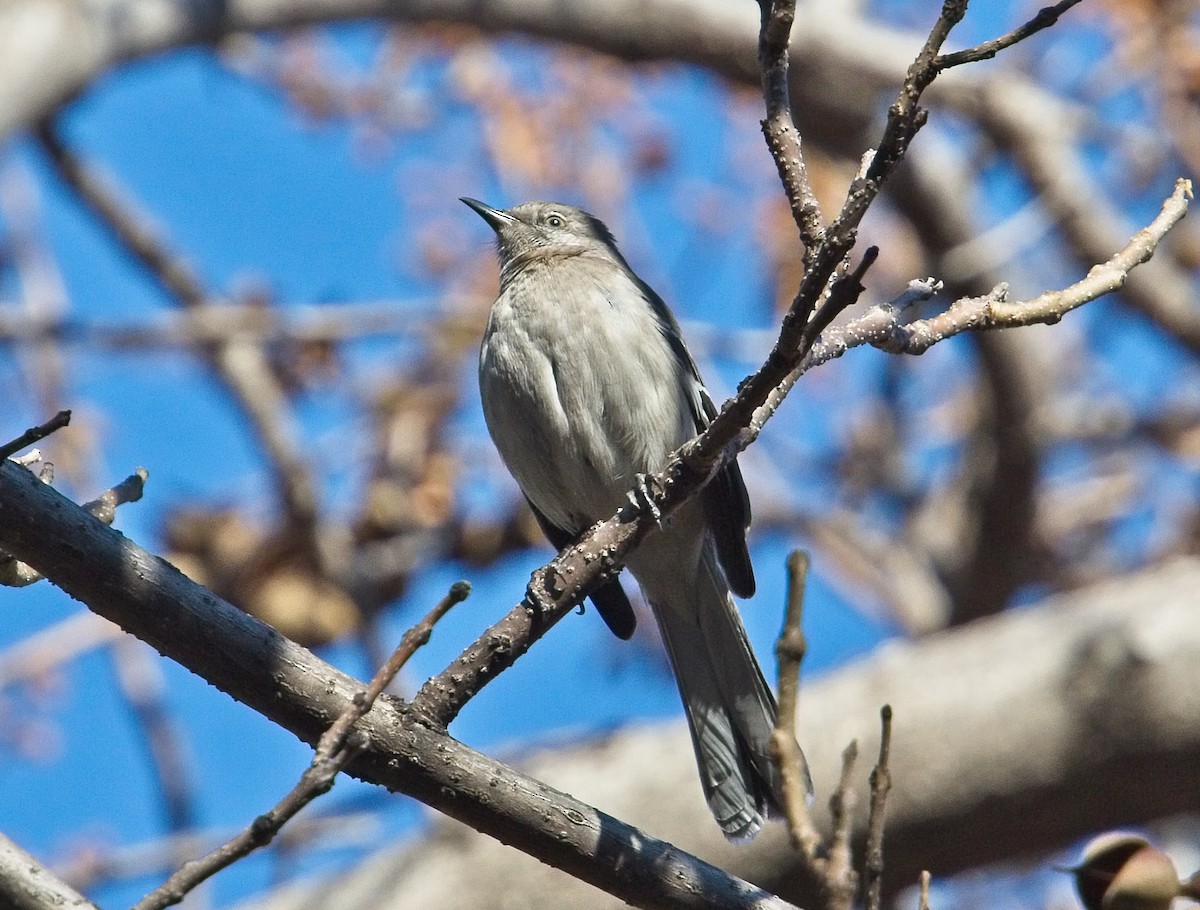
16	573
295	689
25	884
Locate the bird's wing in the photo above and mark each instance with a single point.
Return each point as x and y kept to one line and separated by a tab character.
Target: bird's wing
727	505
726	502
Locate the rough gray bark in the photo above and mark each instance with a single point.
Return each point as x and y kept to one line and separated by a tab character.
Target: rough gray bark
26	885
295	689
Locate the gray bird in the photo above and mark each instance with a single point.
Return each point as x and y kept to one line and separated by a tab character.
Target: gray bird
587	384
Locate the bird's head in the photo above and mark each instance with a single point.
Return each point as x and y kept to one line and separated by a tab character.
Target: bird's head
536	231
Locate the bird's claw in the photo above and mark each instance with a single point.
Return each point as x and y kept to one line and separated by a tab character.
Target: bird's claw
642	498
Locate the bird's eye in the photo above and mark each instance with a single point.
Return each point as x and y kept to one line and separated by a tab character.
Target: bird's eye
555	220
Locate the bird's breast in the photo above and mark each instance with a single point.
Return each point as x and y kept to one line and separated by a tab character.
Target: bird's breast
580	389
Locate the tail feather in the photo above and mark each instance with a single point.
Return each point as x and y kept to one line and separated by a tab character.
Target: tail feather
730	708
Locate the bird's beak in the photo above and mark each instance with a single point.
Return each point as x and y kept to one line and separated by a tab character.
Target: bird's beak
497	218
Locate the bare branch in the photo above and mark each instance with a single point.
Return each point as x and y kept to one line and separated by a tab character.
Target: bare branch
881	783
838	879
297	690
789	651
798	334
995	311
779	127
1040	132
224	322
25	884
169	270
923	892
17	574
556	588
337	747
240	365
883	327
1139	629
1045	18
35	434
104	506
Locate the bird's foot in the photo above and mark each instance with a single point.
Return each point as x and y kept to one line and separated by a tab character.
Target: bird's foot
642	497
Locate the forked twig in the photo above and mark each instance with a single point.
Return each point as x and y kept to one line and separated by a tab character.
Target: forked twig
338	746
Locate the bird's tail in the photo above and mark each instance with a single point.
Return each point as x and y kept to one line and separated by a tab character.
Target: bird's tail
730	709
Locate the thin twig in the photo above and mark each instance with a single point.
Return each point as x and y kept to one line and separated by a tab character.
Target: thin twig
785	752
35	434
1045	18
905	119
996	311
838	877
337	747
923	890
883	327
779	126
104	506
843	293
1043	136
881	784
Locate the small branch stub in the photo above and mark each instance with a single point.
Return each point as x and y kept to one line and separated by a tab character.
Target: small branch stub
35	434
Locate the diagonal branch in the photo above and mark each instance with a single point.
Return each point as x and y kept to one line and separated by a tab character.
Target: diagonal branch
16	573
563	583
25	884
1045	17
336	748
295	689
797	333
556	588
35	434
